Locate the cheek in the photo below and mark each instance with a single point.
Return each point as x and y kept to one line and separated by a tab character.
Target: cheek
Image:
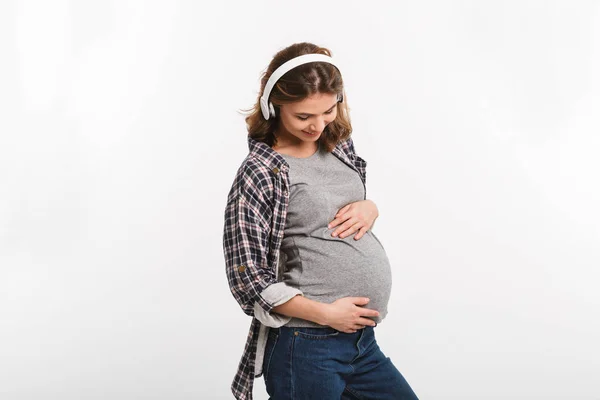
296	124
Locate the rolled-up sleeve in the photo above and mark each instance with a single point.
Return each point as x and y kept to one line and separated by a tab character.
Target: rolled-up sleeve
276	294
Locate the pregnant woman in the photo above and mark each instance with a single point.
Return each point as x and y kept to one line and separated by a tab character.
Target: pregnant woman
301	258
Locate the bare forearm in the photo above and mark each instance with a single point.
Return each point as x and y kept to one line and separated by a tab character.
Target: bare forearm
301	307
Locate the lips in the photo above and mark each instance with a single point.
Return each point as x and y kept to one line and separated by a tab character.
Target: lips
311	134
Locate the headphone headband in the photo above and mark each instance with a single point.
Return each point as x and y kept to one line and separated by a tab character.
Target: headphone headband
265	105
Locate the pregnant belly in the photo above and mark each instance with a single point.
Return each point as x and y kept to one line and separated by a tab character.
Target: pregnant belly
326	270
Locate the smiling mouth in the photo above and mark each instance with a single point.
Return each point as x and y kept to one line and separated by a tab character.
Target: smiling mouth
311	134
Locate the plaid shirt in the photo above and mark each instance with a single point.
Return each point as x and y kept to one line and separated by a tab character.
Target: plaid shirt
255	218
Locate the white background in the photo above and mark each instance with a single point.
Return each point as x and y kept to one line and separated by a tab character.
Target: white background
120	136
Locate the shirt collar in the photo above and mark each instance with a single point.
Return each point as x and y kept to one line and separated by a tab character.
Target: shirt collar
264	153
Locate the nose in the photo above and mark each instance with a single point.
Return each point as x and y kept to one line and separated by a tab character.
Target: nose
318	126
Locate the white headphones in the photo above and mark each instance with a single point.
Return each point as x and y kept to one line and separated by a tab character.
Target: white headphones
265	105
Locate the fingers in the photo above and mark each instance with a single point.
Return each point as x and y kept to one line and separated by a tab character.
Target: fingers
333	223
366	322
361	232
358	327
348	223
368	312
347	228
339	216
359	300
343	209
337	220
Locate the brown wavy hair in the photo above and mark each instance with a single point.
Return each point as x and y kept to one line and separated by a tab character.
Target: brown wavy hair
295	85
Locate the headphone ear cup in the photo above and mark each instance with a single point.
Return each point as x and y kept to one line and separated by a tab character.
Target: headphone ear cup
272	110
341	98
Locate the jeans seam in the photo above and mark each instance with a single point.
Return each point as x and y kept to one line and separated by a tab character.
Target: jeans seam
309	336
270	356
362	334
292	366
353	393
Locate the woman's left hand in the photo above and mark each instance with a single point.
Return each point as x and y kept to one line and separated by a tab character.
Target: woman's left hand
358	216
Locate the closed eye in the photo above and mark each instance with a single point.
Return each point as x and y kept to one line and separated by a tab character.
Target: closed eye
305	118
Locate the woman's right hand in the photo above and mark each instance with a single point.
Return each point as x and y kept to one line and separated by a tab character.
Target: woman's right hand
345	316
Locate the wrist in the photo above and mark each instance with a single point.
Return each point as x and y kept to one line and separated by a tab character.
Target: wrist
323	314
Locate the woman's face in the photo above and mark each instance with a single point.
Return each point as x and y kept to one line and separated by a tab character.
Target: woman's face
304	121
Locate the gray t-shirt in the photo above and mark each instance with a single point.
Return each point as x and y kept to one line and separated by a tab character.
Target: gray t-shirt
323	267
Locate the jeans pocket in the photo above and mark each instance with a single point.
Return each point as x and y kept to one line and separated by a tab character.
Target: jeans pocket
272	338
317	333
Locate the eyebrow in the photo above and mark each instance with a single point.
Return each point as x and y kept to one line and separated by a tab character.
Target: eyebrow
310	115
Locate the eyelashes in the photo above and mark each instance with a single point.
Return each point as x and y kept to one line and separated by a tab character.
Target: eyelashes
305	118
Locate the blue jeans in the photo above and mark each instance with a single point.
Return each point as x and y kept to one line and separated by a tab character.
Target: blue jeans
326	364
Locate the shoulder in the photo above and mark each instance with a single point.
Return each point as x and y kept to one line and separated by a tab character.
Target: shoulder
253	178
347	146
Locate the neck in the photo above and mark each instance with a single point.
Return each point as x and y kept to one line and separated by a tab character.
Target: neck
296	149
